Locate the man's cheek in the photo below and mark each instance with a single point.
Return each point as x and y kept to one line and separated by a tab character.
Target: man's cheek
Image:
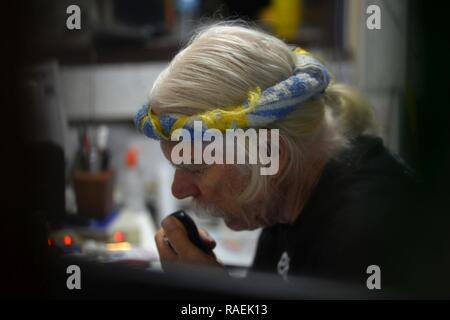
212	184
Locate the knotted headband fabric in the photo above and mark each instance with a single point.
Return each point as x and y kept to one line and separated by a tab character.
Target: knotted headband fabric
309	79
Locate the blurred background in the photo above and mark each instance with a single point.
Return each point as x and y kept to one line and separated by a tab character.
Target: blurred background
101	189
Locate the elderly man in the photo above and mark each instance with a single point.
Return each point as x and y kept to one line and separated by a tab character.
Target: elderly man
330	209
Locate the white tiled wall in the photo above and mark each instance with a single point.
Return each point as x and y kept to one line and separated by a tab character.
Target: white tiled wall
108	91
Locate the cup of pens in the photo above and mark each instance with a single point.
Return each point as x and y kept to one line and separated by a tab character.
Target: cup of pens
93	178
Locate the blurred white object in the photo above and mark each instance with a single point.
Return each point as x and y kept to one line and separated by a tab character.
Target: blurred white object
139	226
42	83
102	137
234	248
166	202
133	185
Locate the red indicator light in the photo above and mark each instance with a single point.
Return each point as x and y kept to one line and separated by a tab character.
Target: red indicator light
119	236
68	240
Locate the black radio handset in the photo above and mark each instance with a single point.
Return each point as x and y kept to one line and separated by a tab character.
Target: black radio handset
191	230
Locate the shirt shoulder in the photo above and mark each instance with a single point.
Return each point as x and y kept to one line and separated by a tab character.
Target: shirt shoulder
355	204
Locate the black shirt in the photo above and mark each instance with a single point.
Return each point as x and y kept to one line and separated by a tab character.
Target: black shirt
354	218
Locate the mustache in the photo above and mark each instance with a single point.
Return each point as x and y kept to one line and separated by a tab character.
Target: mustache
202	210
250	217
205	211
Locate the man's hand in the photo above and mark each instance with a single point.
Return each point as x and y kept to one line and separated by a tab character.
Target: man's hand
181	249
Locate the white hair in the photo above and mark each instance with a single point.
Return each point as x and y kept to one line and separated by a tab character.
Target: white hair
218	68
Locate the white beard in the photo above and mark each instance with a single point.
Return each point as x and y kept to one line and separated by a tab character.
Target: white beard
207	211
230	220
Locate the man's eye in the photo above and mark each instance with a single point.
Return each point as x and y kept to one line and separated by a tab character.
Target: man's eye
198	171
192	169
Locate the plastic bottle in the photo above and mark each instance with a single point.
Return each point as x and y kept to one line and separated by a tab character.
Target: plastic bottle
134	197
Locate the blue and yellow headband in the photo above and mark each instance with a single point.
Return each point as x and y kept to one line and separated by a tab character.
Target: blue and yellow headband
260	109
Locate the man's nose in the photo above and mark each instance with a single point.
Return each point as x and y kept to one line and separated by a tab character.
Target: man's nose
183	186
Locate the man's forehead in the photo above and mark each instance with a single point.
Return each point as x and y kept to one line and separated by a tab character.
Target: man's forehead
167	147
